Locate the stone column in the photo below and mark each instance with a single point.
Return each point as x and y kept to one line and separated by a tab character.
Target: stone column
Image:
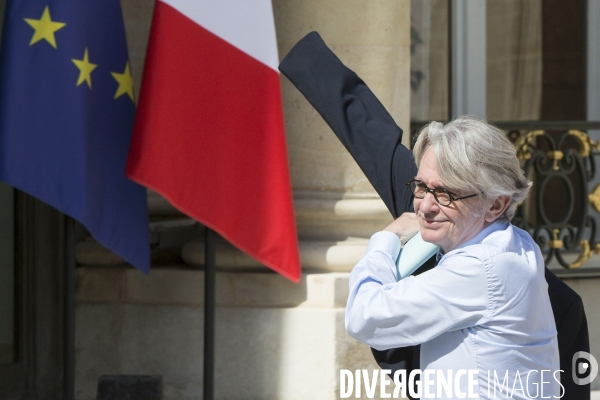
334	200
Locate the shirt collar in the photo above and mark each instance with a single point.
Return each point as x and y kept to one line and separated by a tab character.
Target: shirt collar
493	227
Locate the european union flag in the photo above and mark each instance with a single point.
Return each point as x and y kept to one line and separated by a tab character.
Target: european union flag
66	117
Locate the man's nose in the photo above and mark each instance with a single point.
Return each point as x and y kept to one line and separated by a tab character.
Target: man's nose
429	203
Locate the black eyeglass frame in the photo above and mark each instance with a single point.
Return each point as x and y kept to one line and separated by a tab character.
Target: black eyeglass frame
432	191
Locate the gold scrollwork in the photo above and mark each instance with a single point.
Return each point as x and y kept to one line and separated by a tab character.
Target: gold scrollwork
586	143
584	256
556	156
523	144
555	243
594	198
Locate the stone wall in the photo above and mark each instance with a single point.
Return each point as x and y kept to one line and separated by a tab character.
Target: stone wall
274	339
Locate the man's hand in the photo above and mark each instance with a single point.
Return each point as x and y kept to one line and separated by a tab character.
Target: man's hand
406	226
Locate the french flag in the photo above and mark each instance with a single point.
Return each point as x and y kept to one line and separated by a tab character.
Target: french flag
209	130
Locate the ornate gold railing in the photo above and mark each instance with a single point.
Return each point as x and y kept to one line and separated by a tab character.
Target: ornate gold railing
559	158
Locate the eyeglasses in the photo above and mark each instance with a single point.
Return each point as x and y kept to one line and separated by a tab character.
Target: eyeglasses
441	195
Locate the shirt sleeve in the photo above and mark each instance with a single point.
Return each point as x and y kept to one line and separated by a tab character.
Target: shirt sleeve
384	313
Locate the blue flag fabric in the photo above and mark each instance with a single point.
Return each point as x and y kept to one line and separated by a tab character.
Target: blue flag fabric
66	117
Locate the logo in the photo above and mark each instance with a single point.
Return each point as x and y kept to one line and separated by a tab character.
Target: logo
584	364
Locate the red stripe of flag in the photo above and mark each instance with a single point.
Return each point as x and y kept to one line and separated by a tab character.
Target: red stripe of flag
209	136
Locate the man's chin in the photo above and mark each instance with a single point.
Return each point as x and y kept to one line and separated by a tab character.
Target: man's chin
430	236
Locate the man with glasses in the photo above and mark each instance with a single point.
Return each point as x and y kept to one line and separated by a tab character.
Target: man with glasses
485	306
374	140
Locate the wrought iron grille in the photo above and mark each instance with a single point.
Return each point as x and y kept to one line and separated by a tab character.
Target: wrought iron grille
559	158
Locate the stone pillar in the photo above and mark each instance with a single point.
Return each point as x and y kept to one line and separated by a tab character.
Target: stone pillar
334	200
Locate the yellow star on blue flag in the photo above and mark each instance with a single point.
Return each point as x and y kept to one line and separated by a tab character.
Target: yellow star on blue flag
44	28
125	83
85	69
60	142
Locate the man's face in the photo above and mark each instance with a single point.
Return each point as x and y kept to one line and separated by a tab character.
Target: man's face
448	226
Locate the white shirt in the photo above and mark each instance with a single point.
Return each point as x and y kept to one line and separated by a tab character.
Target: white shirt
484	307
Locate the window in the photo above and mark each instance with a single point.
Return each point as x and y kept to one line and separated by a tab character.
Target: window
532	67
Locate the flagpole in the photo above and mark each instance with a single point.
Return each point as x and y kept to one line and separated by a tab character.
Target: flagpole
209	313
69	318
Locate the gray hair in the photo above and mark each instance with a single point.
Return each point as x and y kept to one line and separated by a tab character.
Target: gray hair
473	156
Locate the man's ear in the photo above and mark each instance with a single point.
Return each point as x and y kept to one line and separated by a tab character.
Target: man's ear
497	208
